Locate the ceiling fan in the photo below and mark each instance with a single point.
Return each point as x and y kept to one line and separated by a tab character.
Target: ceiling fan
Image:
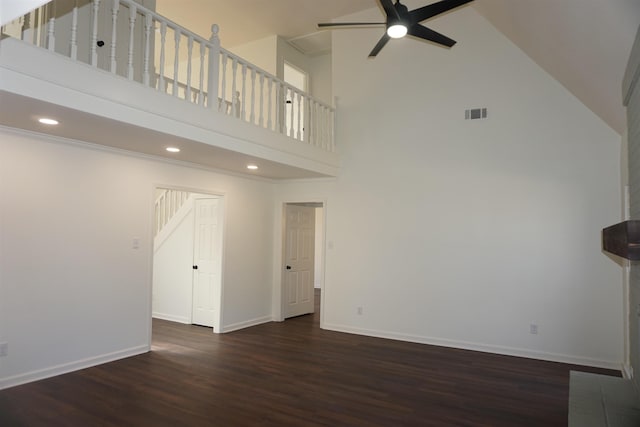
401	21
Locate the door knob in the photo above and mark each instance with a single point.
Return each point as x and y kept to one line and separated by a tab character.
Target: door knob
288	267
195	267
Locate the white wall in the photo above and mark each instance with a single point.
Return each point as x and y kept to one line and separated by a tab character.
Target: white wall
463	233
74	291
12	9
321	84
262	52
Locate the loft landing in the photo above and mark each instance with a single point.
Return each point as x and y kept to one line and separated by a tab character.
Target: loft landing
117	74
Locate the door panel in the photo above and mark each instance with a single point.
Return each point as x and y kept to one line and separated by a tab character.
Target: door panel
206	278
299	259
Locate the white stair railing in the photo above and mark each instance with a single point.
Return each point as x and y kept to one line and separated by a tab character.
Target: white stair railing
167	205
129	40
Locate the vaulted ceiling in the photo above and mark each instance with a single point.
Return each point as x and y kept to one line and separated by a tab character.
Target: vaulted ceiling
584	44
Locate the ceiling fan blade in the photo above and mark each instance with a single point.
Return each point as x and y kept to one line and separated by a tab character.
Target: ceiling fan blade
426	12
383	41
389	9
425	33
350	24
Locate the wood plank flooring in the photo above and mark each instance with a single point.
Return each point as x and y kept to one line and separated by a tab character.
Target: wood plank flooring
295	374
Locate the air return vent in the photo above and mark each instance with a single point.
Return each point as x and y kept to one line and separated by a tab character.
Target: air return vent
475	113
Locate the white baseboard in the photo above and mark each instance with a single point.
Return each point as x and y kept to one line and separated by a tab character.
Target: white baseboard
627	371
245	324
485	348
171	318
53	371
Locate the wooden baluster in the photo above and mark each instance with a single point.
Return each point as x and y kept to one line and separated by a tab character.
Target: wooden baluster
243	113
332	146
51	35
305	127
325	120
223	103
156	224
236	109
201	86
316	124
299	105
290	131
148	22
278	107
253	96
166	209
261	119
133	11
324	126
176	60
114	31
94	32
174	202
73	43
163	41
234	86
189	57
319	125
312	124
214	66
269	104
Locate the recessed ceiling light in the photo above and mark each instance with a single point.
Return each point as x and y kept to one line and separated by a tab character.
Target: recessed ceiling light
47	121
252	167
173	149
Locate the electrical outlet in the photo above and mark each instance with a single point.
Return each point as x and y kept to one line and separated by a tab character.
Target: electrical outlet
360	311
533	329
4	349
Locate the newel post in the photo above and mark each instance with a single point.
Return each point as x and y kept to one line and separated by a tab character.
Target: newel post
214	67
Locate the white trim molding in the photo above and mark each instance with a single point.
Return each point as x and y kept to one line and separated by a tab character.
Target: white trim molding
485	348
71	366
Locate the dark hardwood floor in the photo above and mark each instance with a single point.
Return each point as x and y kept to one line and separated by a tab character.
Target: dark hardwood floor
295	374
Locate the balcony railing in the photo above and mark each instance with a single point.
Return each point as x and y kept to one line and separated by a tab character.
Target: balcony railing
133	42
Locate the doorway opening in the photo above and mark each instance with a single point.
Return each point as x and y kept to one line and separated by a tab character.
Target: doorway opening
302	259
187	257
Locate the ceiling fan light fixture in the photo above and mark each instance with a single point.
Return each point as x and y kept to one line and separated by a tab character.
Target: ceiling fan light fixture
397	31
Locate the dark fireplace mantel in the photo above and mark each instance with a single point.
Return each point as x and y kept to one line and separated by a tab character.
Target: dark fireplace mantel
623	239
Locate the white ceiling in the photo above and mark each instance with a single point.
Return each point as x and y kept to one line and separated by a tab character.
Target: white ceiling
584	44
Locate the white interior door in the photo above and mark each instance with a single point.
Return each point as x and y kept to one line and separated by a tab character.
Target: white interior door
299	260
206	261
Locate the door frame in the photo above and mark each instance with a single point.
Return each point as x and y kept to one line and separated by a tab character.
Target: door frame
279	294
222	196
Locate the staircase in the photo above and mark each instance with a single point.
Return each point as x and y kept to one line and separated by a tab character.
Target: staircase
171	207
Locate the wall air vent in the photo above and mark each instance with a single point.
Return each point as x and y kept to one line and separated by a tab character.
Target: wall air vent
475	113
